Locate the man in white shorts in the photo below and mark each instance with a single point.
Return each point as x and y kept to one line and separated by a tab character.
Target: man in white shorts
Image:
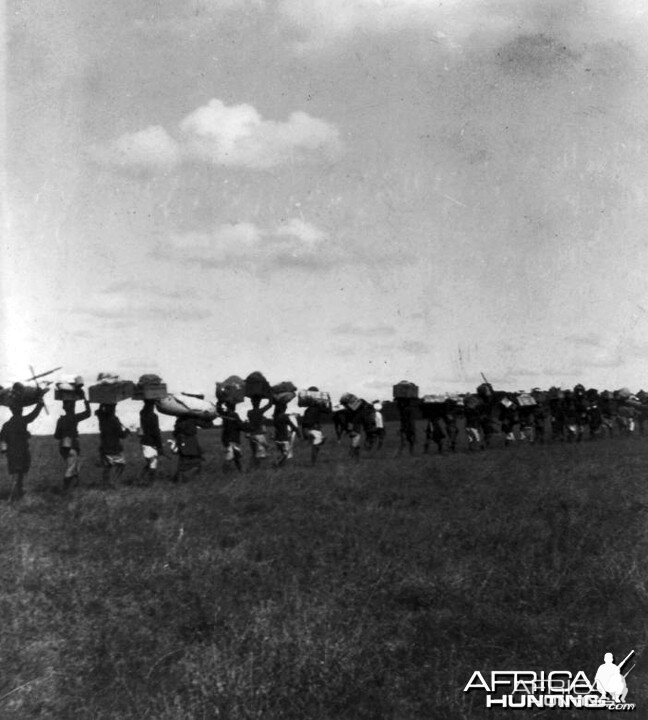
151	441
67	434
312	430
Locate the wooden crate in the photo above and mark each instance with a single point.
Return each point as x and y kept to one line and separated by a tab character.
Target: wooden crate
150	392
405	391
317	398
68	395
111	393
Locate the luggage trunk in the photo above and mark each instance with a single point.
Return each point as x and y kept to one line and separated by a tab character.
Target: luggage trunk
66	395
150	391
525	400
405	390
433	406
314	398
111	393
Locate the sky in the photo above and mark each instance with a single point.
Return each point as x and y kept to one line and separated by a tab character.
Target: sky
343	193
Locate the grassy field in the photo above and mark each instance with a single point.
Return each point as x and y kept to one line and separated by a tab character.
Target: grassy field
345	591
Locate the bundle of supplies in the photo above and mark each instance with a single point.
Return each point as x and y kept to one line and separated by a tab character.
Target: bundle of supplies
69	387
405	390
283	392
257	386
231	390
187	405
109	389
314	398
150	387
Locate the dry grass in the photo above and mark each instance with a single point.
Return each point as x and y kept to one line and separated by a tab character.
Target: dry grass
345	591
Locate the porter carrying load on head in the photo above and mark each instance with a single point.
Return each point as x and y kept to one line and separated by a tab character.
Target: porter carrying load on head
318	405
14	442
67	432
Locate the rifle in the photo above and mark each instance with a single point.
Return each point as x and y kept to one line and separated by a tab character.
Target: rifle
627	658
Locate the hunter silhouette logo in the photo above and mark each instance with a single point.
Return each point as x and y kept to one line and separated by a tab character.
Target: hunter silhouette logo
610	678
557	688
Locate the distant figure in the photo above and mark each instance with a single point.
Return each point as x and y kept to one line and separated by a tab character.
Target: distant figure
190	454
150	440
486	397
610	681
539	421
111	450
609	409
14	439
294	434
508	420
527	424
472	414
340	422
581	405
642	412
594	420
369	425
312	430
626	418
283	429
354	416
67	434
379	422
231	435
256	429
407	425
450	420
434	430
557	414
434	433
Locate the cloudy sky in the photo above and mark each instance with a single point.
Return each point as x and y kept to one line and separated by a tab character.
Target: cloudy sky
339	192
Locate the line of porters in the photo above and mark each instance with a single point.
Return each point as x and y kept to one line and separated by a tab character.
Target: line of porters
570	412
521	415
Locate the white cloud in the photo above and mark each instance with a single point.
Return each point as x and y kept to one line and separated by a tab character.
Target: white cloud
307	233
151	148
457	23
325	21
121	303
228	136
369	331
415	347
239	136
291	243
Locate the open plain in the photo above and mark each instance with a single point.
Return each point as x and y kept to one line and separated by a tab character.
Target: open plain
344	591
